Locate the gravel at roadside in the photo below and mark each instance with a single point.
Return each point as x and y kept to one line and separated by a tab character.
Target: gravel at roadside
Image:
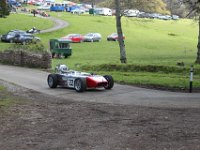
44	122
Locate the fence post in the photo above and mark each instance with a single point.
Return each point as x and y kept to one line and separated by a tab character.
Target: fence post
191	78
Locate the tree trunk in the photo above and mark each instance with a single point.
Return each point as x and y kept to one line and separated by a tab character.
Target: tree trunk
198	46
120	33
93	5
4	8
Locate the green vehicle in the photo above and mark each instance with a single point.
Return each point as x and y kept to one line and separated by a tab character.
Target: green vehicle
60	48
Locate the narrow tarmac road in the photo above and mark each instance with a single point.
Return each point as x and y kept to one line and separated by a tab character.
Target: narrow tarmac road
120	94
59	24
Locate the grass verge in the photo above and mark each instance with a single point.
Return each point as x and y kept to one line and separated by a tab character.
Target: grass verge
7	99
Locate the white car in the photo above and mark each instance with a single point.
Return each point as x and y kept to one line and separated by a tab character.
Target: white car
78	11
44	7
175	17
92	37
165	17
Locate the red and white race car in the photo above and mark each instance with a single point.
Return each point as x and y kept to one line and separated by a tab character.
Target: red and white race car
80	81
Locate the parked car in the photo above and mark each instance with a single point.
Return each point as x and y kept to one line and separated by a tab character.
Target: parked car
92	37
114	37
9	37
26	39
44	7
103	11
78	11
131	13
145	15
175	17
165	17
14	3
75	38
155	15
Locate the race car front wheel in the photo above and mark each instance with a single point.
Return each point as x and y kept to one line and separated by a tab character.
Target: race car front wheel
52	80
79	85
110	80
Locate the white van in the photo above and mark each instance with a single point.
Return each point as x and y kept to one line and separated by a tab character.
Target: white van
103	11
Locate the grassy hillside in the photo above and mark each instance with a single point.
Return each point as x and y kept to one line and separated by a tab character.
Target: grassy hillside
22	22
149	44
147	41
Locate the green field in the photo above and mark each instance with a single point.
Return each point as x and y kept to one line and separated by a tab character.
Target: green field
149	43
22	22
6	99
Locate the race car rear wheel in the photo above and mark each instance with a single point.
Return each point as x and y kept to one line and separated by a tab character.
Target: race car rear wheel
52	80
110	80
79	85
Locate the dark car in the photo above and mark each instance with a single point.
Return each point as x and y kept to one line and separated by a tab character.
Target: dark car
92	37
114	37
9	37
26	39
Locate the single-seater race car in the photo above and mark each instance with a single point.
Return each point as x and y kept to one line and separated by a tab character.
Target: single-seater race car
80	81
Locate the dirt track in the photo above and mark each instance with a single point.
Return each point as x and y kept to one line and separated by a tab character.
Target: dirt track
45	122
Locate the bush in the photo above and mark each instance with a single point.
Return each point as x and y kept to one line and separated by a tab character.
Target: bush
36	48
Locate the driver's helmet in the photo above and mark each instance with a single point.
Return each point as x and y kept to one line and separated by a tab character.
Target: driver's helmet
63	68
33	28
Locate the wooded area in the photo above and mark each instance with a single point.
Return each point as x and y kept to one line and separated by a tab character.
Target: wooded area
4	8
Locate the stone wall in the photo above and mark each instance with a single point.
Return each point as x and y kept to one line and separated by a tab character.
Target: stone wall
27	59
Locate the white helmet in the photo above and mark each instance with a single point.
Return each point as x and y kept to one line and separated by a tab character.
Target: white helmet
63	68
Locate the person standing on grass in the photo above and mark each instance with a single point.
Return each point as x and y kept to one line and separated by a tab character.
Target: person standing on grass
34	12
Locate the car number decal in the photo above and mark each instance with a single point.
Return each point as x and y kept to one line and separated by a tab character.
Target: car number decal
70	82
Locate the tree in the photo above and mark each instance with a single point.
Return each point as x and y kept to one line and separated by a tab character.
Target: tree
4	8
122	5
123	58
176	8
194	6
142	5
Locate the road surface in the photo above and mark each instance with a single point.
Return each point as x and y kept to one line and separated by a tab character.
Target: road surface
59	24
120	94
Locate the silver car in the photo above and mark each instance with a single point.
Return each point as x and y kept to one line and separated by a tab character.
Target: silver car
92	37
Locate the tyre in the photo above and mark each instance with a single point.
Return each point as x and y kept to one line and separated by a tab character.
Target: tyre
25	42
52	80
37	41
65	55
28	41
79	85
11	41
52	55
110	82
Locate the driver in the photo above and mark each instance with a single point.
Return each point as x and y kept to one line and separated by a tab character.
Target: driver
63	69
